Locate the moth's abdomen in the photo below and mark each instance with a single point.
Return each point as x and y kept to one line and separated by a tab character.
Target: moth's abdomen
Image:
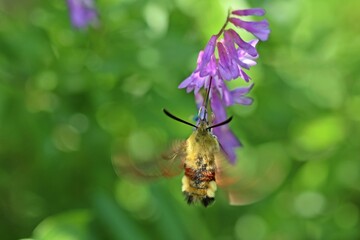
199	185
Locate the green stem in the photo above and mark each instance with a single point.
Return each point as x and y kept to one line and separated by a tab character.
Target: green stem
225	24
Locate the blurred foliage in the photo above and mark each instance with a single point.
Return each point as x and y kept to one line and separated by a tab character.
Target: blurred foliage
72	100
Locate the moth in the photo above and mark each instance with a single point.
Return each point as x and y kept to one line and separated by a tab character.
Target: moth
204	166
198	155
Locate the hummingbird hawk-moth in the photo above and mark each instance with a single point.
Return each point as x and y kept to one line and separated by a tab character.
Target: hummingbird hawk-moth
204	165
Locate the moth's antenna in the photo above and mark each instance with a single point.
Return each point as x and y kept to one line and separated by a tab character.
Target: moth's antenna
203	108
220	124
177	119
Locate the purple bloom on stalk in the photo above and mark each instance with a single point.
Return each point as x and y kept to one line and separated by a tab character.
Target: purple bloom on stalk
234	56
226	137
258	29
249	12
82	13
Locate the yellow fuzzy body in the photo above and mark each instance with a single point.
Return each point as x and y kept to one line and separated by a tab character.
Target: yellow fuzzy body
198	183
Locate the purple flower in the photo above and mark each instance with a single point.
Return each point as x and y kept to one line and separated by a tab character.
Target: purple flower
226	137
238	96
258	29
249	12
82	13
208	52
234	56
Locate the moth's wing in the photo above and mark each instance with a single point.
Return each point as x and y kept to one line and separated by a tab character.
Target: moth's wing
172	162
257	173
124	166
169	164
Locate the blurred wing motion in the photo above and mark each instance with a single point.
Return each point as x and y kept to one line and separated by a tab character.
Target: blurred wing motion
169	164
257	174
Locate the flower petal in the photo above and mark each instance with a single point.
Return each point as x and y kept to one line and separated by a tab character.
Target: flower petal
244	76
229	44
241	91
208	51
222	89
228	69
210	68
246	47
244	101
228	142
249	12
199	61
199	83
230	47
248	61
259	29
217	108
186	82
238	97
226	138
82	12
199	99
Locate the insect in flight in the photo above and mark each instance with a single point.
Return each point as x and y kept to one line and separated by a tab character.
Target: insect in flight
199	154
202	161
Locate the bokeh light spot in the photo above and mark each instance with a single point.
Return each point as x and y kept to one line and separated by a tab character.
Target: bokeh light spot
347	216
326	90
116	119
136	86
133	197
348	173
141	145
314	174
148	57
80	122
47	80
66	138
65	37
37	100
352	107
156	16
309	204
250	227
320	134
65	226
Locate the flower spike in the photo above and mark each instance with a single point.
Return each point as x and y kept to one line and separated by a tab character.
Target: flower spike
82	13
234	55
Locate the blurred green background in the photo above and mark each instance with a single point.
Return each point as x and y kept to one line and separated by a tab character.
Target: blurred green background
72	101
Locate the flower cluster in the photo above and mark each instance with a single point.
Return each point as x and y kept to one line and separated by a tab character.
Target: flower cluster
82	13
233	56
